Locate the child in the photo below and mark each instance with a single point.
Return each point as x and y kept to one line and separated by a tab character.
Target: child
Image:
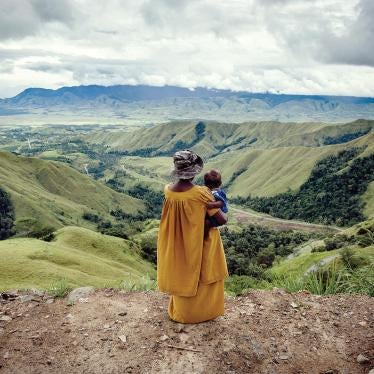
212	180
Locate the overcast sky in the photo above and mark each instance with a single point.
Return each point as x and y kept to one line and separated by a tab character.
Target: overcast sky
288	46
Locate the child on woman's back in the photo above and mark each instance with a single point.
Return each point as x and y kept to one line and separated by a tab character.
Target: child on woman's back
213	180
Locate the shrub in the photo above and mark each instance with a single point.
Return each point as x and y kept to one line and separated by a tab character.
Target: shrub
350	260
148	245
45	233
6	215
361	281
145	283
266	256
59	288
239	284
92	217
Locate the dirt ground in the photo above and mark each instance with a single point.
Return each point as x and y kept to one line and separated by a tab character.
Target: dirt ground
116	332
256	218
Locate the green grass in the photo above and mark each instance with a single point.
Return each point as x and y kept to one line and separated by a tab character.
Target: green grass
77	257
51	193
59	288
368	199
299	265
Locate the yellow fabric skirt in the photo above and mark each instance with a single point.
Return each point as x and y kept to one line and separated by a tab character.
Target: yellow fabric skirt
207	304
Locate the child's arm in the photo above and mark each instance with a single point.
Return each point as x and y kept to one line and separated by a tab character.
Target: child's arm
214	204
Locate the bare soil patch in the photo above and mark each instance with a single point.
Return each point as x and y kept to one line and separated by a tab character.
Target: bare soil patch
117	332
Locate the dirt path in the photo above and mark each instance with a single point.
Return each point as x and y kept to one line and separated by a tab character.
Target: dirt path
256	218
116	332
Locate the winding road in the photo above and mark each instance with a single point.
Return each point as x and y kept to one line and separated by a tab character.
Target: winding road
256	218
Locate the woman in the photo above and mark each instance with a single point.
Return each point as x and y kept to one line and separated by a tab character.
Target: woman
192	270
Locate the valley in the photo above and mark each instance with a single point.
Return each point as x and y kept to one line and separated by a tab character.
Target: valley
102	187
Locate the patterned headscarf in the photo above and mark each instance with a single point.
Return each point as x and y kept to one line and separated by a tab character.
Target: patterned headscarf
187	164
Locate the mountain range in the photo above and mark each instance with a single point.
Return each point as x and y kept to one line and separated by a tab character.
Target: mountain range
142	103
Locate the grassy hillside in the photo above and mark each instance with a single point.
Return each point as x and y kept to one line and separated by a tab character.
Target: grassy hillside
210	138
297	266
77	257
368	199
51	193
343	263
259	172
266	172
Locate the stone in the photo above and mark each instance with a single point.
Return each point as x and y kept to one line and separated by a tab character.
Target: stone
122	314
183	337
164	337
38	293
362	359
371	371
80	293
50	301
122	338
28	298
179	327
5	318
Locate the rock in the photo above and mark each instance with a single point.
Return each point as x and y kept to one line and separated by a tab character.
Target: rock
8	296
294	305
122	338
28	298
371	371
50	301
6	355
122	314
80	293
38	293
362	323
179	327
284	357
362	359
183	337
5	318
164	337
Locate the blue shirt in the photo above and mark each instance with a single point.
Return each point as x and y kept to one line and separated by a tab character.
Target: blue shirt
220	195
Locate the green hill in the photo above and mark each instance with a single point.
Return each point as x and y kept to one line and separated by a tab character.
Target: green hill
266	172
358	237
77	257
52	193
209	138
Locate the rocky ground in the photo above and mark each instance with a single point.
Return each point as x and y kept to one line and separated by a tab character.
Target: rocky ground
115	332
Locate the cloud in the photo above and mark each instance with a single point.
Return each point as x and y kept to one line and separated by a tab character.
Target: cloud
21	18
355	46
300	46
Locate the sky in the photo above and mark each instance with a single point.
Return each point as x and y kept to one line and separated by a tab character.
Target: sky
286	46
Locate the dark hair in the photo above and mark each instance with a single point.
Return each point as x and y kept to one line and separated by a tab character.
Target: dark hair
212	179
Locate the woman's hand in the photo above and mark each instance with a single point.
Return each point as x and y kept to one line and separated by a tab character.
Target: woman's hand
214	204
221	218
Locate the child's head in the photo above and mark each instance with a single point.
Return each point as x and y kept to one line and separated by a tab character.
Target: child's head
212	179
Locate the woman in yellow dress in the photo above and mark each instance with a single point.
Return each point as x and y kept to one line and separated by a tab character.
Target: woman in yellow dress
190	268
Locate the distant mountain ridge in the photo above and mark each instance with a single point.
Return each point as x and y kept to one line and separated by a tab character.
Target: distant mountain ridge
153	103
144	92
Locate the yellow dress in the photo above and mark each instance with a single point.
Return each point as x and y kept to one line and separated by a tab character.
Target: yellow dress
192	270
